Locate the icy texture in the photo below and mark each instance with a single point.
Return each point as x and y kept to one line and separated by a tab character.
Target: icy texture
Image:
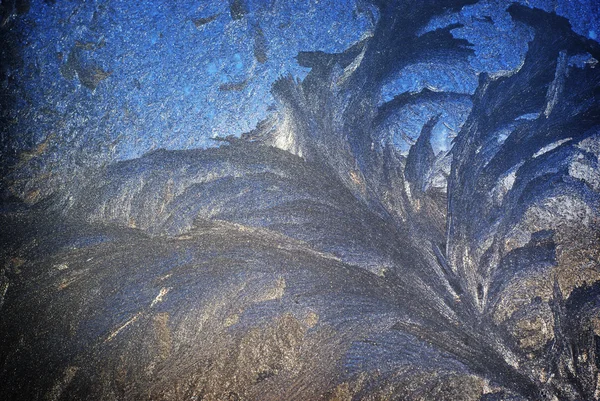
317	256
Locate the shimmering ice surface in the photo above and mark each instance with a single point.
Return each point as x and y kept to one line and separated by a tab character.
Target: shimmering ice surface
300	200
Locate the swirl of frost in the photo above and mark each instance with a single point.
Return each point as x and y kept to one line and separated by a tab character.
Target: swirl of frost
311	260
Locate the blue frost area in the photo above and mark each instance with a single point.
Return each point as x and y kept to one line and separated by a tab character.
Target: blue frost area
102	80
499	44
178	73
